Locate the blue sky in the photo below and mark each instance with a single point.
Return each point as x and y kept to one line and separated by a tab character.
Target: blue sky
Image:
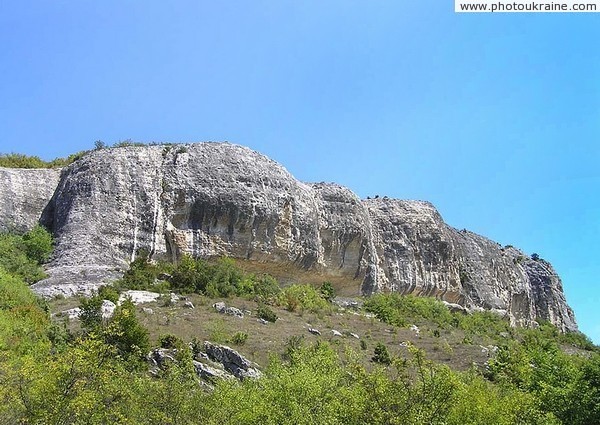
494	118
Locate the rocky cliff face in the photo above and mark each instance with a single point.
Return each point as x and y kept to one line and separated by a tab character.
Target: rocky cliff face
24	197
213	199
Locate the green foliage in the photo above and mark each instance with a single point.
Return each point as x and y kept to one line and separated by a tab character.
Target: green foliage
395	309
400	310
216	279
477	401
91	312
143	274
127	143
13	292
108	292
482	323
327	291
170	341
265	313
381	354
22	255
302	297
559	382
126	334
221	278
99	144
38	244
24	325
17	160
577	339
239	338
262	287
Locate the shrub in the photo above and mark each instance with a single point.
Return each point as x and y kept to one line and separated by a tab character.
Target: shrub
265	313
17	160
327	291
381	354
108	292
141	274
263	287
303	297
38	244
221	278
126	334
239	338
21	255
170	341
13	292
91	312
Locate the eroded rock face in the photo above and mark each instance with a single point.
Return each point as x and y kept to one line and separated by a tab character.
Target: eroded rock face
212	199
422	255
24	196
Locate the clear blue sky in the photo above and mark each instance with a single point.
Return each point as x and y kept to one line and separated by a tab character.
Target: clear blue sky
493	118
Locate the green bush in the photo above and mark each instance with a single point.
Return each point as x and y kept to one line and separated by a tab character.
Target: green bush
91	312
265	313
220	278
400	310
239	338
13	292
22	255
141	275
109	292
482	323
38	244
302	297
559	382
170	341
327	291
126	334
24	325
381	354
17	160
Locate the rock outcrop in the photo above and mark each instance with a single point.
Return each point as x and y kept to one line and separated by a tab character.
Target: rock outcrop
25	196
212	199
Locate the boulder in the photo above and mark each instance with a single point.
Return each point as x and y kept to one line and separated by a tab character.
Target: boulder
232	361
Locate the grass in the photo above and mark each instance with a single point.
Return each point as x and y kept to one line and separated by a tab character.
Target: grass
264	340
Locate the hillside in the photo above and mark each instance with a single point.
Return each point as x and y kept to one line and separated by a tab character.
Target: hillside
216	341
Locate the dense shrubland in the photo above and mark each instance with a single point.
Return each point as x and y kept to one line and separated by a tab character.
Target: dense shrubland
528	360
22	255
49	375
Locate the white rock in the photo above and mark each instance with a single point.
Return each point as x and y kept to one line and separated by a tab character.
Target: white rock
108	309
139	297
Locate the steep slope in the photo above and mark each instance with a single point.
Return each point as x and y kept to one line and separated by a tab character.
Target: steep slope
211	199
